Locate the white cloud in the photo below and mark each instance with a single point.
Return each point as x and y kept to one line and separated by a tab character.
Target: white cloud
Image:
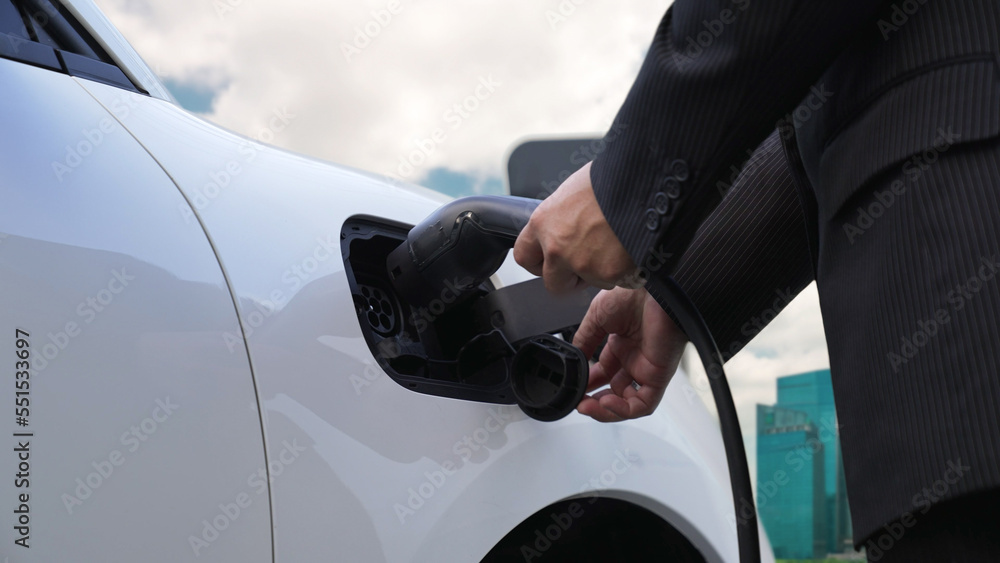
555	77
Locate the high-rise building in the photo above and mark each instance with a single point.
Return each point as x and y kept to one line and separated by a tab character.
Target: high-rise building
790	477
800	475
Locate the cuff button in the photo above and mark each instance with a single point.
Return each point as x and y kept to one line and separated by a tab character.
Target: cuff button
661	203
652	219
672	187
679	169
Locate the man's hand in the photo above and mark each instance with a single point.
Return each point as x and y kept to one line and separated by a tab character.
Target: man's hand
644	347
568	241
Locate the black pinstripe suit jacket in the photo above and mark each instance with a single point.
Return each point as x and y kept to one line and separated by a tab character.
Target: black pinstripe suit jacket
865	94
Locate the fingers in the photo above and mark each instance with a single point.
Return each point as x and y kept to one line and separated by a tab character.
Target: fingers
634	280
593	281
610	312
598	378
528	250
591	332
643	402
621	384
614	405
591	406
611	361
633	392
559	277
568	239
608	406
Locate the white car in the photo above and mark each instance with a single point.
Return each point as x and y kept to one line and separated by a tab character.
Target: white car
185	374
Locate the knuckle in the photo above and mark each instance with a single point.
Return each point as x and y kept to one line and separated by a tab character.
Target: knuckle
613	272
555	249
550	284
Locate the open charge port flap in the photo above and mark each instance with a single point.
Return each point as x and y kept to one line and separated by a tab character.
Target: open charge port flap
549	377
488	347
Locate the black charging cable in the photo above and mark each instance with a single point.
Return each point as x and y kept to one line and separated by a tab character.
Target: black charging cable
670	296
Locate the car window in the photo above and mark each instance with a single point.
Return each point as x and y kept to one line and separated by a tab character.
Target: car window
37	22
11	22
43	33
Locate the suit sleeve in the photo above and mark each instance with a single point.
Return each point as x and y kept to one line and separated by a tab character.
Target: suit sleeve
718	77
751	256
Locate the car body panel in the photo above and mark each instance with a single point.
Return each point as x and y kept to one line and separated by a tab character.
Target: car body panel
275	219
138	412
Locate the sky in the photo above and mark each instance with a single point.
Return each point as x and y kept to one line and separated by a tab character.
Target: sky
368	82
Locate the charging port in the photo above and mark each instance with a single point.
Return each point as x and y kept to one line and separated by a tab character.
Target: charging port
439	349
486	345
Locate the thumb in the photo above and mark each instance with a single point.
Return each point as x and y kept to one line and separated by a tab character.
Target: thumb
528	250
593	328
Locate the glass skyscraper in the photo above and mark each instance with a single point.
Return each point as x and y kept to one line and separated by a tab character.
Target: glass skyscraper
800	477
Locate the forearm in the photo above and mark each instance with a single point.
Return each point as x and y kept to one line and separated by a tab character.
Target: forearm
751	256
702	102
